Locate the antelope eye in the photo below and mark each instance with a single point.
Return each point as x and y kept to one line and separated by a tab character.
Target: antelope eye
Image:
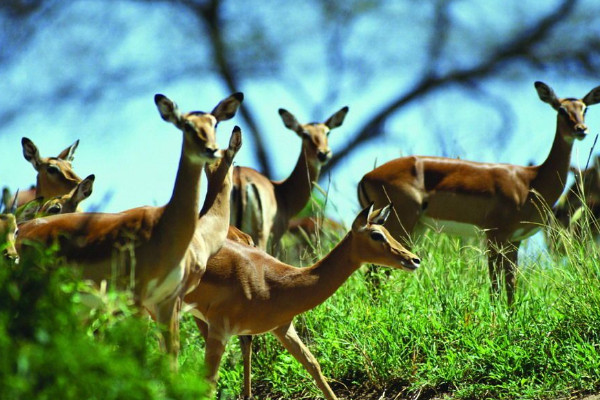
563	111
16	231
54	209
53	169
377	236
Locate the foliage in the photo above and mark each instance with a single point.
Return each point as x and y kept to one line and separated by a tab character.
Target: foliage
48	352
432	333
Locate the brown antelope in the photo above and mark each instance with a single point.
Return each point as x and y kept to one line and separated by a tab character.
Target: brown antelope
211	231
143	246
262	207
67	203
245	291
581	198
505	201
55	175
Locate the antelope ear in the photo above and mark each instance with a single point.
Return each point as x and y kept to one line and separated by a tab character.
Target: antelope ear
227	108
84	189
337	119
362	219
592	97
378	217
31	153
290	121
235	141
546	94
168	109
68	153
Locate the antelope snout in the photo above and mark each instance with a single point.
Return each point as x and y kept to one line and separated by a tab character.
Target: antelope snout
580	131
324	156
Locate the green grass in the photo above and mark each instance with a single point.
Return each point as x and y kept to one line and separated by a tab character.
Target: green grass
435	332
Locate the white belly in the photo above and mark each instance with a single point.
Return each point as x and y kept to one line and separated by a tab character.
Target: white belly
157	292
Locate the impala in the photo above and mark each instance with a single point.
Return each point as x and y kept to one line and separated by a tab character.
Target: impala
55	175
505	201
262	207
211	230
67	203
143	246
245	291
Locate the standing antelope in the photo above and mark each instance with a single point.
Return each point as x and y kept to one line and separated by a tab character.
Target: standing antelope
504	200
262	207
245	291
211	231
67	203
144	246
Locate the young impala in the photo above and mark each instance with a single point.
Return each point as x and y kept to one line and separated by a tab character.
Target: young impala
143	246
67	203
245	291
505	201
262	207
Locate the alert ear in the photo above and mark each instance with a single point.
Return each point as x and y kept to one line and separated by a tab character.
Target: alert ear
227	108
84	189
290	121
168	109
362	219
592	97
68	153
31	153
337	118
546	94
378	217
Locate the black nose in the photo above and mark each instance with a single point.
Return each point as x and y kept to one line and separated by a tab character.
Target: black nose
416	261
323	156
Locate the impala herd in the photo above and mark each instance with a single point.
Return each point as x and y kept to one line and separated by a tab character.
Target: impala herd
213	261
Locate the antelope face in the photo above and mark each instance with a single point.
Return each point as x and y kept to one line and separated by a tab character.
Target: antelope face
571	111
8	229
315	142
200	132
377	245
56	177
314	135
55	174
199	128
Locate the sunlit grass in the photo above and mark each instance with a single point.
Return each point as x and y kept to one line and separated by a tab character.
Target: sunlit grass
434	332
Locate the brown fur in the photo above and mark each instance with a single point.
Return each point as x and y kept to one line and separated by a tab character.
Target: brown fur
507	201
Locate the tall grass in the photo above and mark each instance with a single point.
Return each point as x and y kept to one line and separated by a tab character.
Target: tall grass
437	331
431	333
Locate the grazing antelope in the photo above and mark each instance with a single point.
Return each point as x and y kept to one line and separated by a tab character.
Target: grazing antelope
143	246
581	198
55	175
67	203
262	207
505	201
245	291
